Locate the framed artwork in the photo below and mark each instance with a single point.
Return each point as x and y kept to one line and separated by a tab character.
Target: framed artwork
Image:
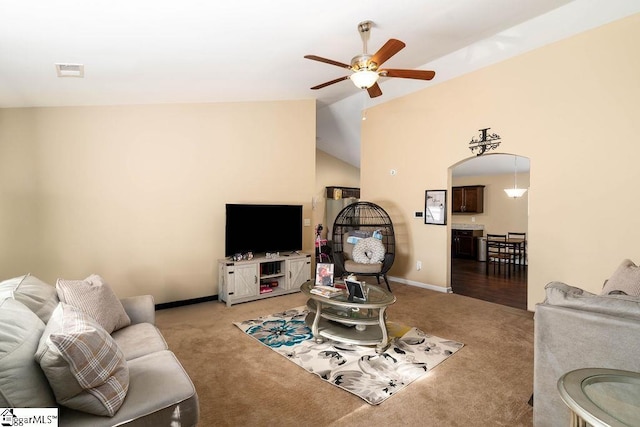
324	274
435	207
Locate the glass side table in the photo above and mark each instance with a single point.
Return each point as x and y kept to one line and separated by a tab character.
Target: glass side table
601	397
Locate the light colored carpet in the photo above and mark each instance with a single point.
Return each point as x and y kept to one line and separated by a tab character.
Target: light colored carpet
239	384
357	369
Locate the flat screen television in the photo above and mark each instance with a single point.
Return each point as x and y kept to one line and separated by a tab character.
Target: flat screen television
262	228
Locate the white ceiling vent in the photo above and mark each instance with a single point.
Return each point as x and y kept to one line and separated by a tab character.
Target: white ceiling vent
70	70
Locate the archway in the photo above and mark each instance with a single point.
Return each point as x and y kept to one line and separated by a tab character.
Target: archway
489	174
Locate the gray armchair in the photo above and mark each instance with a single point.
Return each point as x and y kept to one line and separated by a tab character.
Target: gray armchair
576	329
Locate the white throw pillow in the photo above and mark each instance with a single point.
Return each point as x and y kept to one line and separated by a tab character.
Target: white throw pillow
368	251
38	296
626	278
83	364
94	296
22	382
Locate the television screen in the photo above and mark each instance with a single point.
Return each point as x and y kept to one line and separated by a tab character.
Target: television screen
262	228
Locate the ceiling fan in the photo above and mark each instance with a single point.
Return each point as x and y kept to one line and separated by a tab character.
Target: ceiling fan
366	67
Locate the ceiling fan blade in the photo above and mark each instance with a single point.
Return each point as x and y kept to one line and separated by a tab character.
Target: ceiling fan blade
374	91
328	61
389	49
320	86
408	74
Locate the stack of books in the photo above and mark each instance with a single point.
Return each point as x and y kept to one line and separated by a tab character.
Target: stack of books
326	291
265	288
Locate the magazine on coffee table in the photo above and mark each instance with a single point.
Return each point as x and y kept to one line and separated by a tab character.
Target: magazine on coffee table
326	291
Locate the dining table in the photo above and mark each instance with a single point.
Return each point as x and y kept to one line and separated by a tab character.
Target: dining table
516	245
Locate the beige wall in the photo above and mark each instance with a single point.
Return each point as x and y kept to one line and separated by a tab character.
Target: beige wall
137	193
572	108
501	214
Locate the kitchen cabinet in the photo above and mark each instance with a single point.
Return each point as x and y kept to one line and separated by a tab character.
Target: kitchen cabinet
467	199
464	243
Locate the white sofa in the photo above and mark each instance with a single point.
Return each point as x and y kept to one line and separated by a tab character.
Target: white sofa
155	389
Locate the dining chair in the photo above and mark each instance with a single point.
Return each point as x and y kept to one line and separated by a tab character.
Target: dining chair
498	253
519	246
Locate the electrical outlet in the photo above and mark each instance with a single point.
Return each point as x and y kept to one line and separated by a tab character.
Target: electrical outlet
418	265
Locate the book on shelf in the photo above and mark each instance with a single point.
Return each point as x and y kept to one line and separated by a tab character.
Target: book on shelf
266	287
339	283
326	291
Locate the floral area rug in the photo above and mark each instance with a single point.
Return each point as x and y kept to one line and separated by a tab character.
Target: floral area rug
356	369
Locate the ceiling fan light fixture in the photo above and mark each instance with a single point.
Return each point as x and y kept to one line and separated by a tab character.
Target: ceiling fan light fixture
364	79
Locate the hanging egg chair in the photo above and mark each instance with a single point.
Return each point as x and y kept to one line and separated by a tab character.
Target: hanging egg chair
364	241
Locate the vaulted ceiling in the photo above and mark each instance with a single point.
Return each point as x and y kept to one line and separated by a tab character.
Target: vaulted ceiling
186	51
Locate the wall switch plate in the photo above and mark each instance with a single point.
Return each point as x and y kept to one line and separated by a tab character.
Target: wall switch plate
418	214
307	222
418	265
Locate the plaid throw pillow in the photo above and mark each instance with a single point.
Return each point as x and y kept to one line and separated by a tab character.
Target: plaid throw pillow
94	296
84	366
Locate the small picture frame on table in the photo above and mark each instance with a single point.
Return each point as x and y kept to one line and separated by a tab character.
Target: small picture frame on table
356	290
324	274
435	207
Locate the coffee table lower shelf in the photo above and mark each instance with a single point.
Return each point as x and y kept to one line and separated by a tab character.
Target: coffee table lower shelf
349	332
351	322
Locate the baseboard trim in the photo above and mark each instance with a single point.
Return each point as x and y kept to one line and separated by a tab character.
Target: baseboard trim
446	290
181	303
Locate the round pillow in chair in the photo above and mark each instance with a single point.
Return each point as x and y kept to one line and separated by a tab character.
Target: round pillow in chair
368	251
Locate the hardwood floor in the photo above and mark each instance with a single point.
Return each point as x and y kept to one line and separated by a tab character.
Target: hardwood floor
468	278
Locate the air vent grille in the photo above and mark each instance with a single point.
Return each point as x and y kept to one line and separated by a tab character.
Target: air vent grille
70	70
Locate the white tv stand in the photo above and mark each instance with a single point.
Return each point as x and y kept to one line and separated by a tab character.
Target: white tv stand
262	277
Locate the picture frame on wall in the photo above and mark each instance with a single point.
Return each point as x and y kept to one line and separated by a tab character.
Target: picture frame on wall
435	207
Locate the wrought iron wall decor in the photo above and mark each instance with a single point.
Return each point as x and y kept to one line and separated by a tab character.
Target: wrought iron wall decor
485	143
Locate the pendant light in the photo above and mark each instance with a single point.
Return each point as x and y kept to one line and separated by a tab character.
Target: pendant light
515	192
